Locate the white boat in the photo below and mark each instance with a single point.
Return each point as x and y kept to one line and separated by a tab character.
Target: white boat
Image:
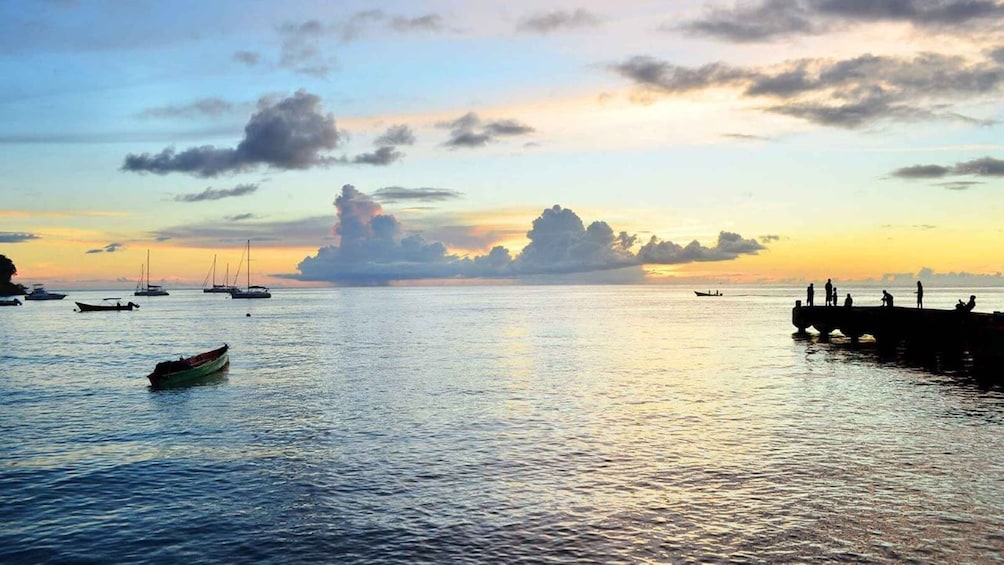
217	288
38	292
252	291
148	289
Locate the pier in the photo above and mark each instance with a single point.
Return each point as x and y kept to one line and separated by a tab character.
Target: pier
950	334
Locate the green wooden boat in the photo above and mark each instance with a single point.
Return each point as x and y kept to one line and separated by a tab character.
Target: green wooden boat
187	369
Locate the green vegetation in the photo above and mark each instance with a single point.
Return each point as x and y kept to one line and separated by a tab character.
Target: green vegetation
7	271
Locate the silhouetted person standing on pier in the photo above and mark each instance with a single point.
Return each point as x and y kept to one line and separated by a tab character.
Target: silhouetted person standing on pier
829	292
920	295
834	295
848	302
808	295
887	299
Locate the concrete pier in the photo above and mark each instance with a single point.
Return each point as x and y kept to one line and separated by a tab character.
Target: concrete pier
949	333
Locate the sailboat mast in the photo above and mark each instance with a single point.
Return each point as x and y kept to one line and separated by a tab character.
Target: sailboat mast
148	269
249	265
214	270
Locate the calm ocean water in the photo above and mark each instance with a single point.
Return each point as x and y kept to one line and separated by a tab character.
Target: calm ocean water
532	424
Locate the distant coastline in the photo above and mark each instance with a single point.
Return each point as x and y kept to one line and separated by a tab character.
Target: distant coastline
12	289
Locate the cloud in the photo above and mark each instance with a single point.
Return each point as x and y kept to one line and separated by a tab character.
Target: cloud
729	246
846	93
288	134
249	58
921	172
559	243
382	156
236	230
206	107
373	248
110	248
396	135
17	237
216	194
745	137
558	20
300	50
470	131
960	185
982	167
428	22
769	238
773	19
240	217
400	194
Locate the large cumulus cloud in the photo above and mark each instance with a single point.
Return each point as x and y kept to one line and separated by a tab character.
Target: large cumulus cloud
373	248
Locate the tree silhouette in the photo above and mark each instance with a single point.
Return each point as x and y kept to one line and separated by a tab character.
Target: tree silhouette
7	269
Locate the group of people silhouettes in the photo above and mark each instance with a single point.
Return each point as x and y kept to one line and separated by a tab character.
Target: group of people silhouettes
831	295
887	298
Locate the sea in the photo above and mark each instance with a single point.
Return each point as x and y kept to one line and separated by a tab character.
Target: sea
489	424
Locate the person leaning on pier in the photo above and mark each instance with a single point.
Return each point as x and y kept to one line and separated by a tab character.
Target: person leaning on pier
829	292
887	299
808	295
920	295
967	306
848	302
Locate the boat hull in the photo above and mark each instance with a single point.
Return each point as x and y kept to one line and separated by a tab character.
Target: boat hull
11	302
240	294
716	293
105	307
218	290
151	293
46	296
186	370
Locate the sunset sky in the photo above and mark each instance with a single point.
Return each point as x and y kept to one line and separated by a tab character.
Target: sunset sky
791	140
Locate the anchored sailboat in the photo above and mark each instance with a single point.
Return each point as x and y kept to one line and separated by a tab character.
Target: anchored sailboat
148	289
217	288
252	291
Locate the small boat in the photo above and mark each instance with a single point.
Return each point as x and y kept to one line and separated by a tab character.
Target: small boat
217	288
709	293
117	307
187	369
9	302
38	292
252	291
148	289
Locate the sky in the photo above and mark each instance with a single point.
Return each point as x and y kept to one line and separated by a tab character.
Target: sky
763	141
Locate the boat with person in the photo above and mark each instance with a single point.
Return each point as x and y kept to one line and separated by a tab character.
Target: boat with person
187	369
251	291
147	289
217	288
109	307
38	292
708	293
9	302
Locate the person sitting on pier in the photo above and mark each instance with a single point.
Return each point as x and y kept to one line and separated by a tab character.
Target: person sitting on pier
967	306
848	302
886	299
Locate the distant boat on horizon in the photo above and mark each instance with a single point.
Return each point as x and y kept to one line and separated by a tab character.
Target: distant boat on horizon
217	288
148	289
38	292
708	293
252	291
